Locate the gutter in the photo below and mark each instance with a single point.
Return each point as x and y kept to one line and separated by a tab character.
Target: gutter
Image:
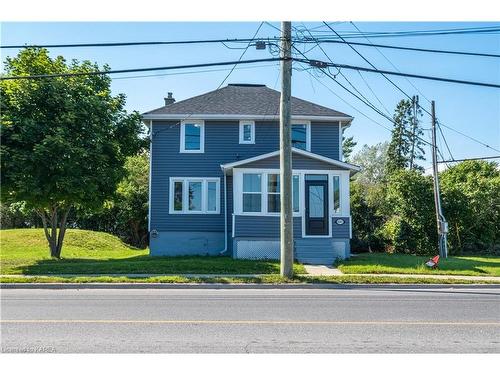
211	116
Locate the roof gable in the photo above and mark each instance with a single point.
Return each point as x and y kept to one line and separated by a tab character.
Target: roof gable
243	99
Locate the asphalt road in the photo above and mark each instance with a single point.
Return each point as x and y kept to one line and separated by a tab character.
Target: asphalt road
350	320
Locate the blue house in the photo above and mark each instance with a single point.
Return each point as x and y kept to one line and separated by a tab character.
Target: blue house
214	177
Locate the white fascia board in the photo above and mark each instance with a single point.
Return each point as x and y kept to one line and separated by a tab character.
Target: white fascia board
346	119
311	155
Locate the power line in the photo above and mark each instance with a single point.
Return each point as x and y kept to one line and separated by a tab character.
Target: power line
369	63
324	64
394	66
146	43
172	67
193	72
445	142
328	57
241	56
387	34
415	49
471	138
478	158
364	101
425	110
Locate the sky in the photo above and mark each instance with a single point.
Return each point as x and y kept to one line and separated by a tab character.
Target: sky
472	110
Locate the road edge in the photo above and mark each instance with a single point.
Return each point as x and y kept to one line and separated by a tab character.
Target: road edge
239	286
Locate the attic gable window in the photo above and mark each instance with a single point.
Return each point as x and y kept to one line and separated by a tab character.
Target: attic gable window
301	135
192	136
247	132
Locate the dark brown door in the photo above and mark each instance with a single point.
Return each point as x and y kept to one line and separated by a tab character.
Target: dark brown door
316	208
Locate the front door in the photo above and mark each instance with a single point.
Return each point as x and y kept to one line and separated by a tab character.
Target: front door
316	194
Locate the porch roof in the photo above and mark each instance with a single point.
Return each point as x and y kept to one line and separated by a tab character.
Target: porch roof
228	167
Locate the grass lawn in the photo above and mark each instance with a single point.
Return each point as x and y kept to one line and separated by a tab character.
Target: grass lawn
263	279
25	251
401	263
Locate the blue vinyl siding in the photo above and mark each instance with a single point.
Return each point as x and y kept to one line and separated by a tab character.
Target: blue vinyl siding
298	162
263	226
325	139
221	146
340	231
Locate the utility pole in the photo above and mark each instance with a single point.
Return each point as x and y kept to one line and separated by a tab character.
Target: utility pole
286	216
442	225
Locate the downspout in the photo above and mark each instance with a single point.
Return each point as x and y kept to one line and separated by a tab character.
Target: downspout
225	214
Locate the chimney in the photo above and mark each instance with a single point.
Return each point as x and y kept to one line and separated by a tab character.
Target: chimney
169	99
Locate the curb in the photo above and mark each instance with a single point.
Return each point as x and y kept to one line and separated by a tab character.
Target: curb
56	286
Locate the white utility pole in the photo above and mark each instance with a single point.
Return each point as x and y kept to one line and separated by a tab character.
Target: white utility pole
442	225
286	217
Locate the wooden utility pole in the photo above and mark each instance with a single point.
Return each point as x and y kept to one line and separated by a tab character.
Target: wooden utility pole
442	225
286	217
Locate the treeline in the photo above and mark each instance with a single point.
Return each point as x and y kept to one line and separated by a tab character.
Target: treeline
392	199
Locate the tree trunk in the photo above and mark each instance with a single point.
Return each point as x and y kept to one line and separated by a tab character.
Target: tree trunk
54	230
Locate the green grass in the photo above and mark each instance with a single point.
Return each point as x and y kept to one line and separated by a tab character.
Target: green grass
25	252
377	263
264	279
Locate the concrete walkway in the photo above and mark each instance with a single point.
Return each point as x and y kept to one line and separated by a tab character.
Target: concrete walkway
319	270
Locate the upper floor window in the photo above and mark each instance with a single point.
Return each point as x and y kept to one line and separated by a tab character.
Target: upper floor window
247	132
192	136
301	136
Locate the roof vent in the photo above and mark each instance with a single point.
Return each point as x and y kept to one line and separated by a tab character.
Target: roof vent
169	99
246	85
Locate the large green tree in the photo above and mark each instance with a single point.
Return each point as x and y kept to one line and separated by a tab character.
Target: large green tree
64	140
471	204
348	144
406	146
410	224
373	163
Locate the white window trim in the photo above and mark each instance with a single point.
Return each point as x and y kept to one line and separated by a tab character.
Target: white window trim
238	192
185	198
252	132
201	123
261	192
308	131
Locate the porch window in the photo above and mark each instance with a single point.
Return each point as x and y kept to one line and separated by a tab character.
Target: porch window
336	194
194	195
252	192
273	193
192	137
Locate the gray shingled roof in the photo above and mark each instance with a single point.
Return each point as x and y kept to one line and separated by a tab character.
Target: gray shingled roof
243	99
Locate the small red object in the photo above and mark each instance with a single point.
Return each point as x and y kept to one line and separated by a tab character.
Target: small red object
433	262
